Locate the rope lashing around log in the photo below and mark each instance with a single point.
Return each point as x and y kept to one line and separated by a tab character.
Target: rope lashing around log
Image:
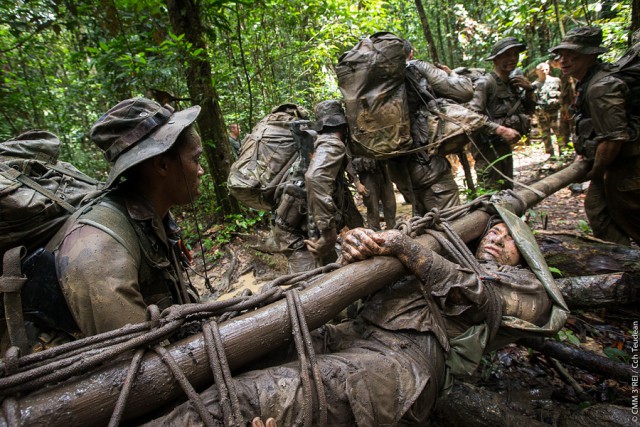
24	374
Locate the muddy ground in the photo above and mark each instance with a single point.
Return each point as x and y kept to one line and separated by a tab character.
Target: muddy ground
526	381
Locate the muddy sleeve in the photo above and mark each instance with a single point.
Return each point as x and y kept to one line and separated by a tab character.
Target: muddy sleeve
320	181
479	103
99	279
452	86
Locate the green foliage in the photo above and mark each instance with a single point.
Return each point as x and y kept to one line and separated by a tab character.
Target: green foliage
567	335
617	354
584	228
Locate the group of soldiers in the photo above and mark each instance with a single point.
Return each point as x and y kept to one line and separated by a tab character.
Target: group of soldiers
388	365
507	101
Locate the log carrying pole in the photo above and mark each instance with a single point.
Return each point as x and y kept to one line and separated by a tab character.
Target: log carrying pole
90	399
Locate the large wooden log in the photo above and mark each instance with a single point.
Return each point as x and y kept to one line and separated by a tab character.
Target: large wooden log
602	290
578	256
91	399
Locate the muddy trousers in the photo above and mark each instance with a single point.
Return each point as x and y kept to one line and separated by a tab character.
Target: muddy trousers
612	204
493	158
370	377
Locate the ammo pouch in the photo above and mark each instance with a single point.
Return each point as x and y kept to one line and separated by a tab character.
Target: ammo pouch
292	208
585	144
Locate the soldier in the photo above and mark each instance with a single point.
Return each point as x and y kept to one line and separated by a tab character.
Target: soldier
329	202
548	98
312	210
388	366
506	98
124	253
606	136
567	94
234	139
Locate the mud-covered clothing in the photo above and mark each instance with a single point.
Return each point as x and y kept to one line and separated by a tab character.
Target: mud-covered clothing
329	204
428	182
547	110
612	203
503	104
327	193
375	177
388	366
117	258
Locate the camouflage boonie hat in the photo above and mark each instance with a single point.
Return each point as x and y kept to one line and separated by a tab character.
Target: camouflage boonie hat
329	113
137	129
585	40
504	45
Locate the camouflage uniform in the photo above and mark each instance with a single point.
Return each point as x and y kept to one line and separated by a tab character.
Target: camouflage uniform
117	256
388	366
547	109
428	181
567	95
602	115
503	104
329	204
143	266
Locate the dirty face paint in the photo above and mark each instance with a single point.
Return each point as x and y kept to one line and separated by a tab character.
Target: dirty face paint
498	246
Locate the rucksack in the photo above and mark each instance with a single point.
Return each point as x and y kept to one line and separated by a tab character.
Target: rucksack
627	68
371	77
37	192
439	126
473	74
266	155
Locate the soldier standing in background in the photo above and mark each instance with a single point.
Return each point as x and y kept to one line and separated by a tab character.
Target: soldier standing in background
548	99
506	98
567	95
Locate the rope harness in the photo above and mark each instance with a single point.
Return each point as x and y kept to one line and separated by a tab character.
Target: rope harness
33	371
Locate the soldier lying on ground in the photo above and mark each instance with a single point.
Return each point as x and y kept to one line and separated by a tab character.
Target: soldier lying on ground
389	364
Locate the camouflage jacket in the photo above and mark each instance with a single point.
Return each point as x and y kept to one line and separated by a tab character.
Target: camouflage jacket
116	258
548	93
325	182
601	114
501	102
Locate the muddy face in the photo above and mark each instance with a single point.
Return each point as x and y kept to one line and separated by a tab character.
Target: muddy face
498	246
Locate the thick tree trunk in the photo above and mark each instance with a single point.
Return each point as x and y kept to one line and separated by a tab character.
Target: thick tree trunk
185	19
577	256
91	398
604	290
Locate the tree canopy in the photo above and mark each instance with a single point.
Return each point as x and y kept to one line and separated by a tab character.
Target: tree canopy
63	63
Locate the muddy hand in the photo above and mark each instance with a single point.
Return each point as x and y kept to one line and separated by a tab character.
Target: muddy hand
324	245
362	243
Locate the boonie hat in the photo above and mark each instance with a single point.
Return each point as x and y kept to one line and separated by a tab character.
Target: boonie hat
137	129
329	113
585	40
504	45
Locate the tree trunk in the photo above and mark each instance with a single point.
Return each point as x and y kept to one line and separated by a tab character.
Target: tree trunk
91	398
185	19
604	290
426	29
579	256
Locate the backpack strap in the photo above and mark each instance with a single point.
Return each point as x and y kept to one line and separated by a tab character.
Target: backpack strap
14	174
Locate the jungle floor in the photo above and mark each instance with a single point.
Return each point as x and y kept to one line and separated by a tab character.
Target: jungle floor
531	385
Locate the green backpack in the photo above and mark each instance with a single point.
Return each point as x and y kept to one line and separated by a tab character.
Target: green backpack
37	192
267	154
371	77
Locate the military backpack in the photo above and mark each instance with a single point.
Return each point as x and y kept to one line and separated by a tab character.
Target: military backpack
267	154
37	191
371	77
